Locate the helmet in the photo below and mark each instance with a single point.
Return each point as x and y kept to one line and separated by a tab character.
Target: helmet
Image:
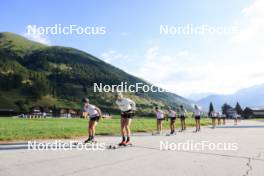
85	100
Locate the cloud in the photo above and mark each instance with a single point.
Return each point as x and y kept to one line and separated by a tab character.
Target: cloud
231	68
255	9
112	55
159	69
38	38
183	54
185	74
224	67
252	24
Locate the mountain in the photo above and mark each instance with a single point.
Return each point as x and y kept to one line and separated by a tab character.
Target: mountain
251	97
197	96
33	74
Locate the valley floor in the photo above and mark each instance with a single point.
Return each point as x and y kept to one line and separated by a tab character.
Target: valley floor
13	129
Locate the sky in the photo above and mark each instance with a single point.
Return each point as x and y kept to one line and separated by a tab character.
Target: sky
190	65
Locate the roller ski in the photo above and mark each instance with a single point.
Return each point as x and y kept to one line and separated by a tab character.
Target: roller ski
120	145
157	133
88	141
173	133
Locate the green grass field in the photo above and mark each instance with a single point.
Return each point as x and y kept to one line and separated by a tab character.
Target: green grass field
28	129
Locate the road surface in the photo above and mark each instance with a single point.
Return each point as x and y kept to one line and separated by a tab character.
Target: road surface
145	158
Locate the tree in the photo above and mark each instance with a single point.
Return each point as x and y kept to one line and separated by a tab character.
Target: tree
84	88
10	81
238	108
39	89
22	107
225	108
211	108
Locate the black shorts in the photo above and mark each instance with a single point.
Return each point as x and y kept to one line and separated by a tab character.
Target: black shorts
127	114
160	120
95	119
172	118
197	117
182	117
213	117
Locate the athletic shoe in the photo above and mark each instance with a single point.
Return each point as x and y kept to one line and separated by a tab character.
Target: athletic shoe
172	132
128	143
123	143
87	141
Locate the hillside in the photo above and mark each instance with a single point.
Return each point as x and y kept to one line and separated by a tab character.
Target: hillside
251	97
34	74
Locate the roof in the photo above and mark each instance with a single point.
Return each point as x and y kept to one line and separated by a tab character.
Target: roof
256	108
11	110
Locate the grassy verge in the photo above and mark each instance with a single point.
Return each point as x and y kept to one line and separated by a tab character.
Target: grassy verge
257	118
27	129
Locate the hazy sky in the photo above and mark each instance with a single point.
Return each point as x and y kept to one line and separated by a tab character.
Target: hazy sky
183	63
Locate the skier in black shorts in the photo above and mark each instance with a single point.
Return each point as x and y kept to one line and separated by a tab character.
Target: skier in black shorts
94	115
172	116
160	118
213	116
182	114
197	116
219	115
128	108
223	118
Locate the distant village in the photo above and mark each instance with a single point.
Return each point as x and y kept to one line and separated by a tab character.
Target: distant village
45	112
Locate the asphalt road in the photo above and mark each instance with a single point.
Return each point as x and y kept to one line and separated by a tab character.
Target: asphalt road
145	157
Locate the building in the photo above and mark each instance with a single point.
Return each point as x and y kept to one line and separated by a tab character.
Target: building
231	113
253	112
7	112
69	113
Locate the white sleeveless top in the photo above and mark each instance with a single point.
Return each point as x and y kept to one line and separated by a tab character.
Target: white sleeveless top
90	109
160	114
172	113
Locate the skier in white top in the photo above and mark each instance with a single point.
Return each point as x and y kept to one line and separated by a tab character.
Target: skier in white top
219	116
223	118
197	117
127	108
182	113
94	116
213	116
172	116
235	116
160	118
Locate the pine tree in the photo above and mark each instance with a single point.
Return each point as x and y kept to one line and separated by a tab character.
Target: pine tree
238	108
225	108
211	108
